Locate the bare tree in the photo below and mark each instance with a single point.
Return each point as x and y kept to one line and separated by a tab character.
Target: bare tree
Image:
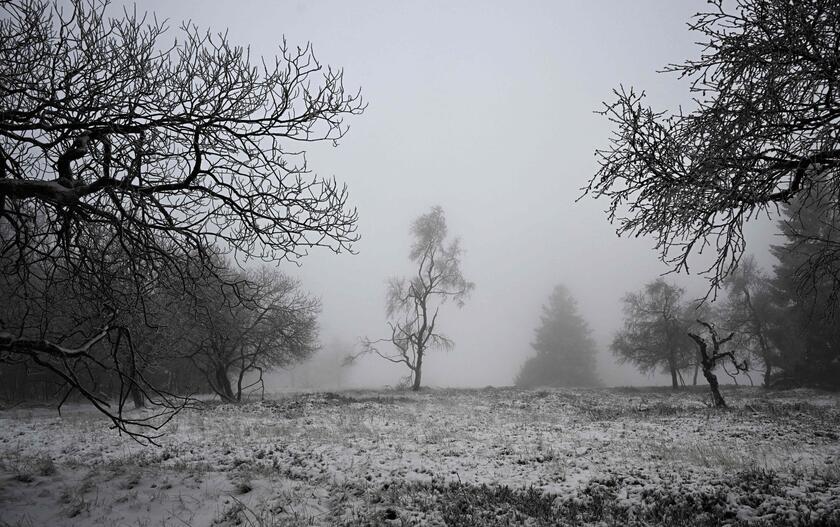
81	340
709	359
762	130
413	304
654	332
235	328
749	310
126	157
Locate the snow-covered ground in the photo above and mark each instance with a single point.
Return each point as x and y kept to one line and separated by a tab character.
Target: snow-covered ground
438	457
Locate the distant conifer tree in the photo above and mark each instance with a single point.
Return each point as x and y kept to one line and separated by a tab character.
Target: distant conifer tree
565	351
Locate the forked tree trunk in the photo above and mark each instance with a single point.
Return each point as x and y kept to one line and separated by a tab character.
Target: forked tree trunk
708	360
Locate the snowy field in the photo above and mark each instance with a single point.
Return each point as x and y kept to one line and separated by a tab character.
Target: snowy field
438	457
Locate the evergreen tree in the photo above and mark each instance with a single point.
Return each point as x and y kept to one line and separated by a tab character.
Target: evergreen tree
807	328
565	351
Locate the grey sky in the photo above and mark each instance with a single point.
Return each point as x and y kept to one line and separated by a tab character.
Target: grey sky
485	108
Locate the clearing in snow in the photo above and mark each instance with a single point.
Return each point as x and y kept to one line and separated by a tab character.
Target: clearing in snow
438	457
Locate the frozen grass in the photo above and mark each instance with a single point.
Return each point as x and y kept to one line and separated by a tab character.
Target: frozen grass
439	457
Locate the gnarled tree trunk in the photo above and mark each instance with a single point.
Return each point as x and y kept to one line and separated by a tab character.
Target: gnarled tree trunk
708	360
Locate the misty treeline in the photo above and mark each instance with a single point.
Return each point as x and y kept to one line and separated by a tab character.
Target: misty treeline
216	334
759	140
763	324
786	334
137	172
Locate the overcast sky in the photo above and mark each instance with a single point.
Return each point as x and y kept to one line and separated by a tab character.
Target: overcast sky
487	109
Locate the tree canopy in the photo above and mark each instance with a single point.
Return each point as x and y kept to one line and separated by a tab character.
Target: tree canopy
232	333
655	332
129	159
762	130
750	311
111	134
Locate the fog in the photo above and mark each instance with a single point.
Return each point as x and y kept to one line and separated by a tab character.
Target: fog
486	109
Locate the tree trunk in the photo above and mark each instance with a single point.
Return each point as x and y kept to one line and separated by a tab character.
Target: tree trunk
713	385
708	362
137	397
765	349
418	370
239	379
674	382
134	388
223	387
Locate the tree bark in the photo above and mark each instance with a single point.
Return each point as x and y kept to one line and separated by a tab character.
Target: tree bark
674	382
717	398
418	370
224	388
136	392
